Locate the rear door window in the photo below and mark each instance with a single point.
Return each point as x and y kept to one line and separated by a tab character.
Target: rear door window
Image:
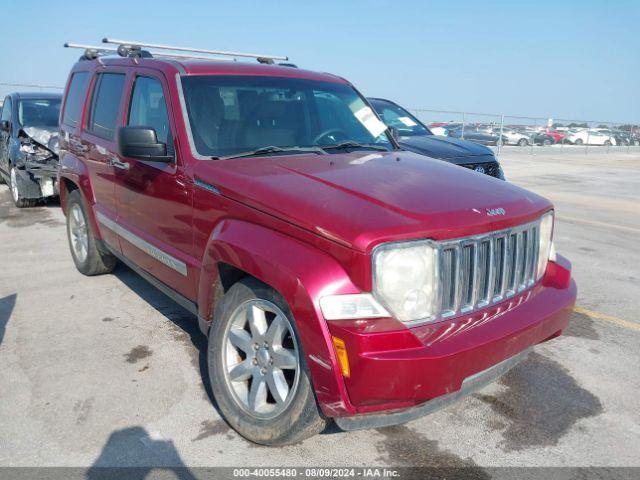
75	99
105	105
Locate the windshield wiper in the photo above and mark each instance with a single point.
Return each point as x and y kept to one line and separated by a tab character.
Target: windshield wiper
349	144
272	149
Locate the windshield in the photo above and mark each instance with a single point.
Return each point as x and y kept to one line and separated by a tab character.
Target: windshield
395	116
43	112
231	115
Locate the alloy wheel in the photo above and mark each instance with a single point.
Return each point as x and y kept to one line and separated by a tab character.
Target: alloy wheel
261	360
79	233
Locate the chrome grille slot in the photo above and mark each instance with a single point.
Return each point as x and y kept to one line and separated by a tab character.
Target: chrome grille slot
467	272
512	255
485	269
484	265
448	278
500	257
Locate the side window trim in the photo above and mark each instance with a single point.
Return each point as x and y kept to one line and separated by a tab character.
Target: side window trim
65	105
92	94
129	99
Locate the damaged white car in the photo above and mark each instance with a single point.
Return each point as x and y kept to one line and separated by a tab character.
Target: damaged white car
29	146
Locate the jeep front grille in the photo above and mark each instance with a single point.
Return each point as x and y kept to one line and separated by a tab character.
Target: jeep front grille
484	269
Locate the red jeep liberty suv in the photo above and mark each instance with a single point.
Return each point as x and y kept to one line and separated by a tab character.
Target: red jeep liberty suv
336	276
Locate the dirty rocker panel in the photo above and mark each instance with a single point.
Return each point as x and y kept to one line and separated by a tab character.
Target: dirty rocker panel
470	385
163	257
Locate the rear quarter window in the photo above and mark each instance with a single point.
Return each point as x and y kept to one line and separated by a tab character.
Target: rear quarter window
105	105
75	99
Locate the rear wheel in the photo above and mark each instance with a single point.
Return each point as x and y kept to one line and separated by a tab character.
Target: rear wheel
546	142
87	255
607	143
523	142
16	194
257	369
578	141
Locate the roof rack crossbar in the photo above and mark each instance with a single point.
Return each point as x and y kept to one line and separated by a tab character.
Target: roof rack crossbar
196	50
92	51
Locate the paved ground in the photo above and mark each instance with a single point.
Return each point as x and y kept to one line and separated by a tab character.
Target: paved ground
106	371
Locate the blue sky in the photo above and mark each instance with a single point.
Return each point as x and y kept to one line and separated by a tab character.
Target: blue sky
566	59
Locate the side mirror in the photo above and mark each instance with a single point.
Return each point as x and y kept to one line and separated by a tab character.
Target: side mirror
142	143
4	125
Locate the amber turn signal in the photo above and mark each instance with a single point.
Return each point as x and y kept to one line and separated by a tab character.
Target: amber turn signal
341	352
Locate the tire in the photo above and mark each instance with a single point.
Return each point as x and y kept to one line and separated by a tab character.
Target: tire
264	420
89	258
578	141
523	142
607	143
18	200
546	142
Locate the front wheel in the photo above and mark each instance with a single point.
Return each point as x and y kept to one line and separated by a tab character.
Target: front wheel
87	255
18	200
546	142
523	142
579	141
257	369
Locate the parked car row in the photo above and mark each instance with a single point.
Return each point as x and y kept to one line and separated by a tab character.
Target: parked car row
342	270
492	134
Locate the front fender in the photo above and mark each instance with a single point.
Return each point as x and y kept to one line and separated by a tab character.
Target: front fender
302	274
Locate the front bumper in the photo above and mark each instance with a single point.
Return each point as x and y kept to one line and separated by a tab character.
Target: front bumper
400	370
469	385
38	180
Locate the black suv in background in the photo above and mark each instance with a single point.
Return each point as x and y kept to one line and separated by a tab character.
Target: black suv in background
29	146
416	137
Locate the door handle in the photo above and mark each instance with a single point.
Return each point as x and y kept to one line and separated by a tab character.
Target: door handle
118	164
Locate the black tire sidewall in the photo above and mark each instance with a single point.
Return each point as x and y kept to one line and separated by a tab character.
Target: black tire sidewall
96	262
302	417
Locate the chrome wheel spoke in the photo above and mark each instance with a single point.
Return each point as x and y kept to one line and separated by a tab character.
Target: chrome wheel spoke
257	321
241	371
258	393
284	358
277	385
241	340
276	331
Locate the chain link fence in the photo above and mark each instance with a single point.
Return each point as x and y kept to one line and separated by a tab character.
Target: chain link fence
533	134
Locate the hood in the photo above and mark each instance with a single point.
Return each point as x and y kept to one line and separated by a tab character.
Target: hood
360	199
45	137
445	148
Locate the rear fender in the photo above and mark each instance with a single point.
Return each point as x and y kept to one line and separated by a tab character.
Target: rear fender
73	170
302	274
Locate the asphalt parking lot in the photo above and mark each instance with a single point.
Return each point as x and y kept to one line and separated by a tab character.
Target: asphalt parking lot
106	371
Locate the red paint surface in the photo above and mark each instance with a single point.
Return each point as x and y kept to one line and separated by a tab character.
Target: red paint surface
306	226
